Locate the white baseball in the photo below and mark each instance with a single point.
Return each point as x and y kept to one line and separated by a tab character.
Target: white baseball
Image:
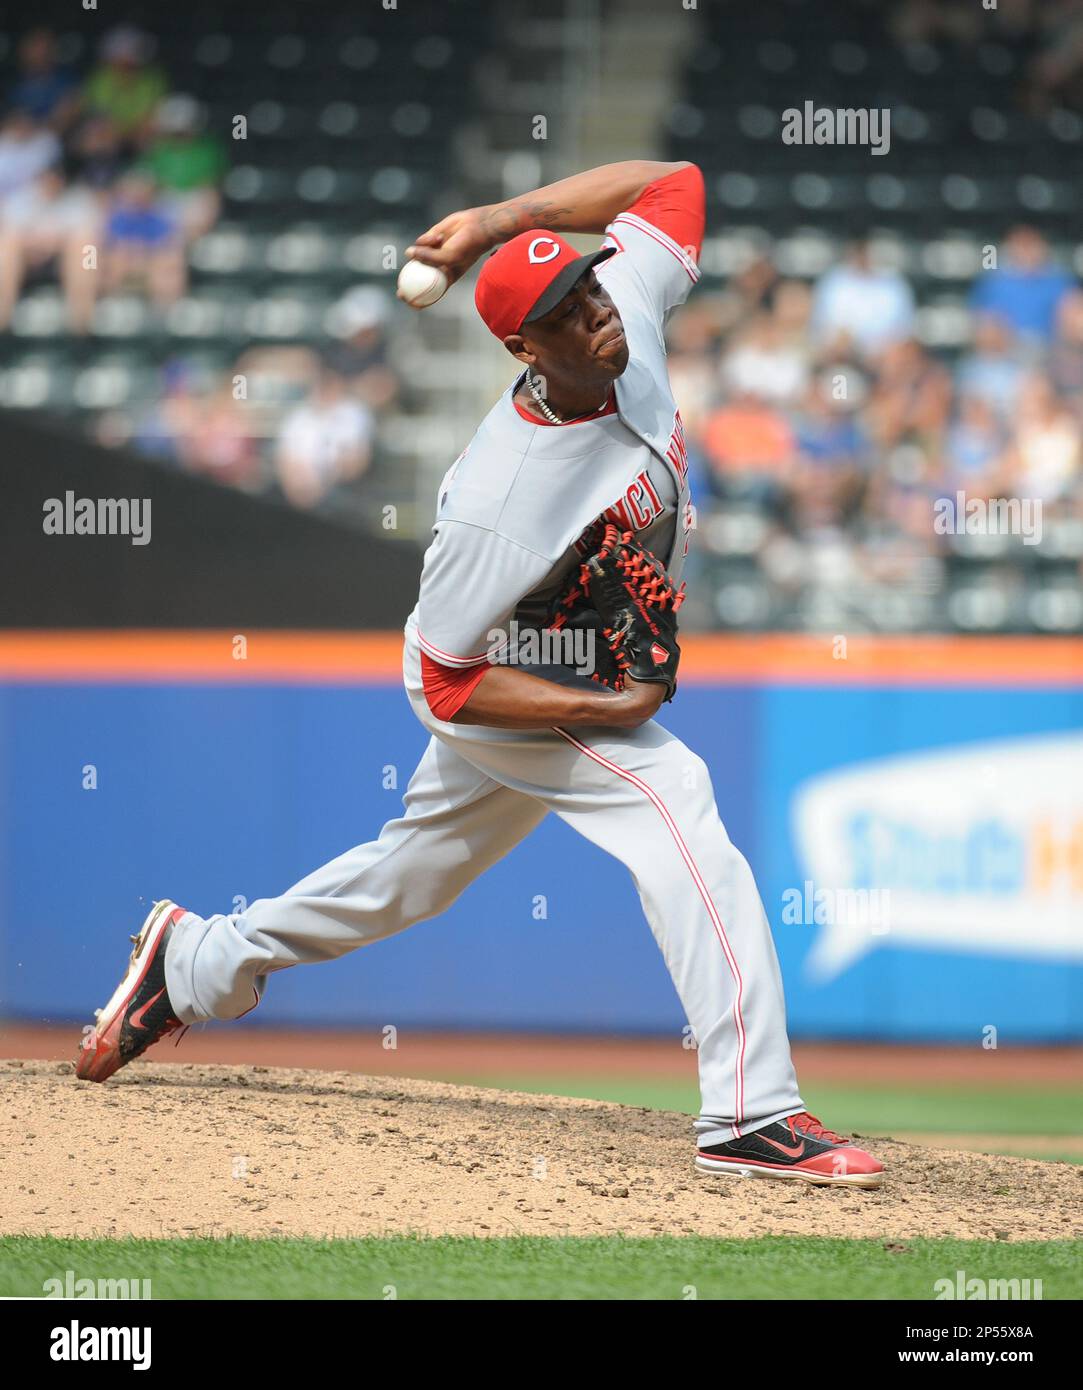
421	285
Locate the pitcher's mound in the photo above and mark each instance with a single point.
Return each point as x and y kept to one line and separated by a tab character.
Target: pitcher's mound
175	1150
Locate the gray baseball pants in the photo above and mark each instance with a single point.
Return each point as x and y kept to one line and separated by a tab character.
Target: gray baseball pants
641	795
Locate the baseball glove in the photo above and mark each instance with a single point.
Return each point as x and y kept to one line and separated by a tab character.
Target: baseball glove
573	613
625	595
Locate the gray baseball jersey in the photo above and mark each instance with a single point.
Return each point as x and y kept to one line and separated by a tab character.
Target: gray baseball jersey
521	495
510	513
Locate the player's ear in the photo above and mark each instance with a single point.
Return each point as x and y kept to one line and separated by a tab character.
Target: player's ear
516	345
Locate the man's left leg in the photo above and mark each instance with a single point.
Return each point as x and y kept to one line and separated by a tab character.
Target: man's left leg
647	799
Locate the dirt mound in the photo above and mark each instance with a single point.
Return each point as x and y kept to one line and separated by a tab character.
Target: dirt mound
175	1149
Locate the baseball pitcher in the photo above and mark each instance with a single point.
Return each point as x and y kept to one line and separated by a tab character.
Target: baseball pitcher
566	517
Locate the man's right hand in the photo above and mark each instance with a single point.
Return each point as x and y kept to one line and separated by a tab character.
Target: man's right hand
454	243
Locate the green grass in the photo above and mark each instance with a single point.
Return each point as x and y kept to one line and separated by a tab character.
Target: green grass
1005	1110
655	1093
999	1110
541	1267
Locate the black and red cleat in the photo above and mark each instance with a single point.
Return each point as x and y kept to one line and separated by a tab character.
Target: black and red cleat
798	1147
139	1012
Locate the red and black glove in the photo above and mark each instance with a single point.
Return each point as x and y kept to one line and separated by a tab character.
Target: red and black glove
625	595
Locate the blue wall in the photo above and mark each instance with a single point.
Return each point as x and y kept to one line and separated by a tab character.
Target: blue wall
206	793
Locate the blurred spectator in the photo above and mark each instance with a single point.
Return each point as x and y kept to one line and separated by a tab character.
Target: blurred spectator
792	311
45	90
1066	355
143	242
827	429
765	363
359	352
693	339
974	447
991	371
1026	288
187	165
125	87
1044	455
43	223
280	374
748	293
27	149
900	500
855	302
911	397
749	447
164	430
200	428
325	441
831	449
96	155
220	444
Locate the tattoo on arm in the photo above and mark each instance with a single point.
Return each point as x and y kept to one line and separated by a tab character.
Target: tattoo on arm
502	223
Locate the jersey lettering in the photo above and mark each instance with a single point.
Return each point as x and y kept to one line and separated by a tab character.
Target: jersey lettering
640	517
677	450
656	501
618	514
689	525
448	479
636	510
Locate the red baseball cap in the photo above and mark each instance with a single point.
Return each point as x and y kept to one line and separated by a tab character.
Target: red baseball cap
527	277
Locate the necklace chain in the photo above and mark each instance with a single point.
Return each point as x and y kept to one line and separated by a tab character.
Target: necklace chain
543	405
548	411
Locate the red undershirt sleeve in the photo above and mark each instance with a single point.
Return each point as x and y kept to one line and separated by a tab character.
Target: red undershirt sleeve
658	241
676	205
447	690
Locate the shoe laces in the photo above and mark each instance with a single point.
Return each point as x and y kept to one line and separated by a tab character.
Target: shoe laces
810	1125
174	1027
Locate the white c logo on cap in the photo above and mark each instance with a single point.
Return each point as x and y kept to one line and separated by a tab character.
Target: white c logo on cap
534	258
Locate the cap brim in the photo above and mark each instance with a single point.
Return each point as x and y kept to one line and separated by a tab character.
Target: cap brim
562	283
